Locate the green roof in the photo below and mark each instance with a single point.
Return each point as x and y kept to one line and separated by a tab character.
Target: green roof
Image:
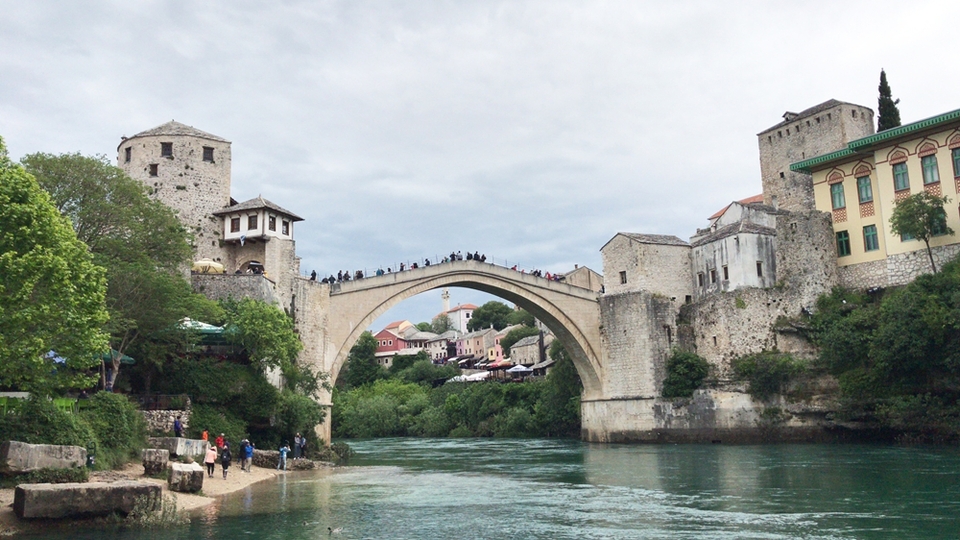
903	130
805	165
862	145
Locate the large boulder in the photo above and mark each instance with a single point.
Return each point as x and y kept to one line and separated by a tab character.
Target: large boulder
185	477
179	446
154	460
19	457
55	501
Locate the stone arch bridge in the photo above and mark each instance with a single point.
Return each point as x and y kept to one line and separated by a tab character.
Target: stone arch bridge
331	317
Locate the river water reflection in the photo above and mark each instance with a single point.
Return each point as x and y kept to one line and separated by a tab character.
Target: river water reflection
481	488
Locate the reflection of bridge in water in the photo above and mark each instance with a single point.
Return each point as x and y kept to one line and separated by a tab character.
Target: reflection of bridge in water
331	317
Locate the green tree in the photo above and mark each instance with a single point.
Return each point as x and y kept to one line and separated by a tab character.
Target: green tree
267	334
514	336
362	367
685	373
138	240
921	216
440	324
558	410
51	292
493	313
424	326
888	115
522	316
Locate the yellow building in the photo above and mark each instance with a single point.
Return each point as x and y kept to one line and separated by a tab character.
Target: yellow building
861	184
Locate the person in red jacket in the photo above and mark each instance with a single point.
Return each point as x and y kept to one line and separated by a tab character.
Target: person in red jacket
219	442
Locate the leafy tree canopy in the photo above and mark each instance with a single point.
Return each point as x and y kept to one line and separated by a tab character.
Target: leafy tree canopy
266	333
921	216
493	313
424	326
522	316
138	240
888	115
361	367
51	292
441	323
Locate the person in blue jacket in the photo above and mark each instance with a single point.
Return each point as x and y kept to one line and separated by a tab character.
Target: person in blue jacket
284	450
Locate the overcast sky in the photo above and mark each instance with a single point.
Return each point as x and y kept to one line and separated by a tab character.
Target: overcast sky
529	131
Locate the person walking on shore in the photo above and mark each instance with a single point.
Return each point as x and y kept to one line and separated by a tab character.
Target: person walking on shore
303	447
282	464
248	455
177	427
296	447
210	460
225	458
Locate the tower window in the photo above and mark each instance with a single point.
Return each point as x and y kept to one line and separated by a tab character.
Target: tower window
235	224
208	153
713	276
272	223
759	269
154	169
251	223
126	154
623	277
286	227
166	149
700	279
726	273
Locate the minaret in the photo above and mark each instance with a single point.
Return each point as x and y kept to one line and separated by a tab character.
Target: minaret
446	300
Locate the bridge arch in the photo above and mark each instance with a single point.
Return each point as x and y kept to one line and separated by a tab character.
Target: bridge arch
571	313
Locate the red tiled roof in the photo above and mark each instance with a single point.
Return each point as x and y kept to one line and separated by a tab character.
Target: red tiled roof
748	200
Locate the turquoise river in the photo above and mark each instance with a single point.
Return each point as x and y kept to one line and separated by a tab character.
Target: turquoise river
539	488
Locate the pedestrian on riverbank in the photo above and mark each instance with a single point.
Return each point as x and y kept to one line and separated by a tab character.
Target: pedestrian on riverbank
284	450
210	460
248	455
177	427
296	447
220	442
225	458
205	436
303	447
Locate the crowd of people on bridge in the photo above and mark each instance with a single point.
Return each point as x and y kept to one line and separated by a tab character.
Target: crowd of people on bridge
346	275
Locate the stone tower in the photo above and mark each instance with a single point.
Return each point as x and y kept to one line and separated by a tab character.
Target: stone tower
819	130
189	171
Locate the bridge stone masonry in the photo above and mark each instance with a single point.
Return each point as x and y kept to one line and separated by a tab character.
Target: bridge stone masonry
331	317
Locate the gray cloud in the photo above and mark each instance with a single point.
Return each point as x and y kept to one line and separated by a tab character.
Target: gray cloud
532	131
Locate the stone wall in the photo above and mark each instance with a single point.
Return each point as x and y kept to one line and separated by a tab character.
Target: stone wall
236	286
162	421
638	330
895	270
816	131
657	268
806	256
185	182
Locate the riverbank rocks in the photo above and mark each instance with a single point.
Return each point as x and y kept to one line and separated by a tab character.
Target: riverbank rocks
179	446
185	477
19	457
154	460
57	501
270	458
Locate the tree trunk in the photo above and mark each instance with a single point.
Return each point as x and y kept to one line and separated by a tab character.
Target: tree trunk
930	254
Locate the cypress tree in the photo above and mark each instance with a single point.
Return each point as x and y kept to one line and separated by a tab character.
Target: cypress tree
889	115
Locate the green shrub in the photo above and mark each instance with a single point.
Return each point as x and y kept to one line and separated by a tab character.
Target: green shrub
767	372
119	427
216	420
40	422
685	373
460	432
342	450
514	422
